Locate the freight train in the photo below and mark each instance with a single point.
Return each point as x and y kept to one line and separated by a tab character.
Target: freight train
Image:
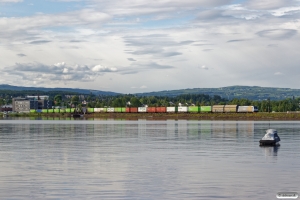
181	109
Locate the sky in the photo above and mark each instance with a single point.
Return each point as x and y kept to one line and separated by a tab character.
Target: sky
134	46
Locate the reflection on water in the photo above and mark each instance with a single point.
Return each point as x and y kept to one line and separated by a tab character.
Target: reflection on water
270	151
142	159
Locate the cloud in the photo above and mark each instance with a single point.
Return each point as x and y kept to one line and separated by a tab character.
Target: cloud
277	73
230	41
40	42
131	59
21	55
285	11
277	34
59	72
158	45
138	67
100	68
75	18
267	4
204	67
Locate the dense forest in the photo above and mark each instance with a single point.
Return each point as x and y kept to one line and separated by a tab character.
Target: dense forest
73	99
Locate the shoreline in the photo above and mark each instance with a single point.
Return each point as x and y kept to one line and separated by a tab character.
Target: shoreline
166	116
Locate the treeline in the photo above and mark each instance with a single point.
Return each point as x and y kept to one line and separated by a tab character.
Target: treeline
72	99
93	101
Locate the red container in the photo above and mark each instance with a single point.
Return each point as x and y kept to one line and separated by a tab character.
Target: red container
151	109
133	110
161	109
127	110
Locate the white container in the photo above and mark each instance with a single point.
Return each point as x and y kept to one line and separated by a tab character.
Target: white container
142	109
110	109
171	109
183	109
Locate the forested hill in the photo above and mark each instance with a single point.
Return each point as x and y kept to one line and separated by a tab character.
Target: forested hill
71	90
247	92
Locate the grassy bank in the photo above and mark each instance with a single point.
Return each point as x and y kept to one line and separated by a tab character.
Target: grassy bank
163	116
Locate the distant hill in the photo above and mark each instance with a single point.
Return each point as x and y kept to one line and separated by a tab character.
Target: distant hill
247	92
76	90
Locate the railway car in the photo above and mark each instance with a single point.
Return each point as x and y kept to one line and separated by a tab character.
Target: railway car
182	109
171	109
218	108
230	108
247	109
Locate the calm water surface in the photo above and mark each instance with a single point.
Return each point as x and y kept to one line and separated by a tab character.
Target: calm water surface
116	159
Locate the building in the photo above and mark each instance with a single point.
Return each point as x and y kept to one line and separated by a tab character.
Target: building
20	104
6	108
31	102
40	102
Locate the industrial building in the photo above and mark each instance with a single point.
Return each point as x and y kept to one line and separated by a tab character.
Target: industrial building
20	104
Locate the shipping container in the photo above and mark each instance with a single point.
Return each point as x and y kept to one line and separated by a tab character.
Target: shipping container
90	110
100	110
218	108
39	110
171	109
50	111
72	110
230	108
110	110
205	109
44	110
193	109
133	109
142	109
56	110
68	110
161	109
151	109
32	111
245	109
62	110
183	109
120	109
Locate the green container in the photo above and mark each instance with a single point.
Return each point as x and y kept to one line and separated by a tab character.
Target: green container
68	110
118	110
90	110
32	111
62	110
193	109
56	110
72	110
50	110
205	109
44	110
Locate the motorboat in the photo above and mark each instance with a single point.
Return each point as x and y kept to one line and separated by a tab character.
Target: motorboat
271	138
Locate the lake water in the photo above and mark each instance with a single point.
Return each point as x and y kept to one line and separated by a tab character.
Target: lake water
119	159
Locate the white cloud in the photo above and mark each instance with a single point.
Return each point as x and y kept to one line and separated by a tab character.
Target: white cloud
100	68
75	18
204	67
277	73
285	11
267	4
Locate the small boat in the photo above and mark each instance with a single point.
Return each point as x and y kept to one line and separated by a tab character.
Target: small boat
271	138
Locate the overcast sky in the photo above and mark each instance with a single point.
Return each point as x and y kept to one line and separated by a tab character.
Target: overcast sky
133	46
